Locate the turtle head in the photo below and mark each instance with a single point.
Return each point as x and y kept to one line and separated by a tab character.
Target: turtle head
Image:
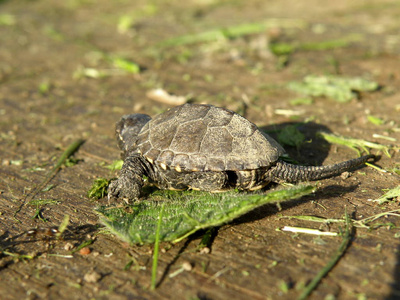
127	130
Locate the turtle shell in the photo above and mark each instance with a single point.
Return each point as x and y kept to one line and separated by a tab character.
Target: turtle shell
194	137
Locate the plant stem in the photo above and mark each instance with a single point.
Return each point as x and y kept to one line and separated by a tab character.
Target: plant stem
329	266
156	248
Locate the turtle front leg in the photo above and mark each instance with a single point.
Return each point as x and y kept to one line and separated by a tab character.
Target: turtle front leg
129	184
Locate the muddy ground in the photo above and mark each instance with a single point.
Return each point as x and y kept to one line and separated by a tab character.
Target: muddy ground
47	101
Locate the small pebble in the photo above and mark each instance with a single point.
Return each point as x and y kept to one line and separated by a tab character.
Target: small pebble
85	251
92	277
187	266
68	247
205	250
345	175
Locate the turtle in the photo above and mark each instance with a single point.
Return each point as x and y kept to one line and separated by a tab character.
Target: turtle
204	147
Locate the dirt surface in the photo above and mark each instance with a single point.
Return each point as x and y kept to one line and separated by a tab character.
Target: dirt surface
46	103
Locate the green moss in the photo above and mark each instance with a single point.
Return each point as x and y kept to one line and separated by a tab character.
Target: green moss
98	189
340	89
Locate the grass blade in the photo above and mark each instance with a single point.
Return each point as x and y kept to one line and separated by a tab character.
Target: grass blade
156	248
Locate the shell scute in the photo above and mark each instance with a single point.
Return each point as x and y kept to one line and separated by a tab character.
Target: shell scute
215	164
165	116
161	135
240	127
196	162
218	117
216	142
192	112
180	162
166	157
188	137
152	154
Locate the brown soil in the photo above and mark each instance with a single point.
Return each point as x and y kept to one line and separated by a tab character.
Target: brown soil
44	108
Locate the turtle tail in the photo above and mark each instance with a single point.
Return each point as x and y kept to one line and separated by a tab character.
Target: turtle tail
285	172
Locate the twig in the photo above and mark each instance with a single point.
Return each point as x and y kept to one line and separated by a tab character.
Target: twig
163	96
308	230
219	273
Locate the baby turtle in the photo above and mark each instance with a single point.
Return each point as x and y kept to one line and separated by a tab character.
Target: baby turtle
204	147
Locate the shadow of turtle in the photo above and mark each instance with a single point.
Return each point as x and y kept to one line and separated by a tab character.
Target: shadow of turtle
312	151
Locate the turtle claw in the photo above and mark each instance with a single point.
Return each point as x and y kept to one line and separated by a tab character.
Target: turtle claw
123	189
